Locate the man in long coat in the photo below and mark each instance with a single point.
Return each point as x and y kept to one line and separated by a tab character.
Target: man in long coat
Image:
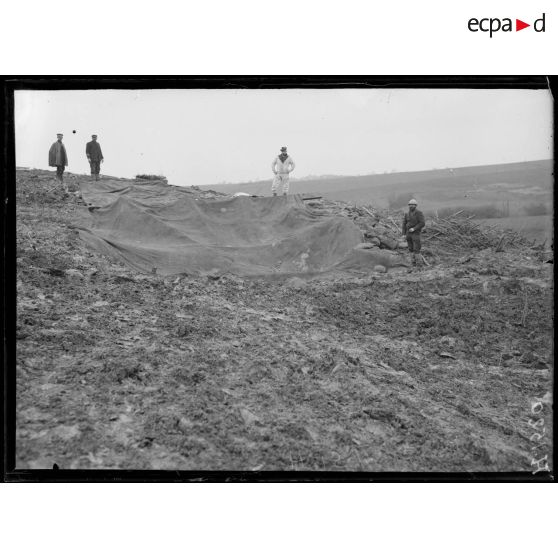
413	223
94	156
57	157
281	166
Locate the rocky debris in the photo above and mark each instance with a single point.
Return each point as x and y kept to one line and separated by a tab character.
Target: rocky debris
249	417
378	228
213	274
200	194
121	370
74	273
43	187
295	283
388	243
151	178
66	432
366	246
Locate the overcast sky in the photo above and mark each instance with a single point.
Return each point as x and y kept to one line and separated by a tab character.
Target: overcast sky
211	136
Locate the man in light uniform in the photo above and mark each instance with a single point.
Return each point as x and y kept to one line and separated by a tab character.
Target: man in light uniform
281	166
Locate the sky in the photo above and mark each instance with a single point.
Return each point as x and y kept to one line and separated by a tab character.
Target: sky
201	137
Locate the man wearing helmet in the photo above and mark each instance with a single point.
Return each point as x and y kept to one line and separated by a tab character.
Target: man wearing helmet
413	223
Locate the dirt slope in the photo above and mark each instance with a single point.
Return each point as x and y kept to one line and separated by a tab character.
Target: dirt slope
446	369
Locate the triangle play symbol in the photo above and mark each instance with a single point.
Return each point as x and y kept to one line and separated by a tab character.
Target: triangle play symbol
519	25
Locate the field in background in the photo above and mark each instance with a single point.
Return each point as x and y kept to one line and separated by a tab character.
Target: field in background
511	185
516	196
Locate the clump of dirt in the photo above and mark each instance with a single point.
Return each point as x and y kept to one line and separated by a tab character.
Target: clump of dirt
151	177
448	368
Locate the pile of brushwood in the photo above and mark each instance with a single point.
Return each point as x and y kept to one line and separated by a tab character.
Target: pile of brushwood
449	236
458	231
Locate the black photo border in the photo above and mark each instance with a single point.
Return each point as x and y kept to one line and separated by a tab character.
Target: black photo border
10	84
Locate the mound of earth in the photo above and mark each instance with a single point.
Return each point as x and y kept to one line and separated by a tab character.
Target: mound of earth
449	368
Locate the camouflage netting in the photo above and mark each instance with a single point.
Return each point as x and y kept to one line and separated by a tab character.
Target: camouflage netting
167	230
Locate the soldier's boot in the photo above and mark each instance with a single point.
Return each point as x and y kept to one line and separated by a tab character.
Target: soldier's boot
412	264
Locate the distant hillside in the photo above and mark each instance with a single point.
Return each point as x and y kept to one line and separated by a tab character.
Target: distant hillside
512	183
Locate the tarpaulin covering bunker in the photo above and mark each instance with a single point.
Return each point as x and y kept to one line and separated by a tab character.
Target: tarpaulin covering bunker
156	228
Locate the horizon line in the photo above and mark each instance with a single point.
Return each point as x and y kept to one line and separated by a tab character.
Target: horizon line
372	173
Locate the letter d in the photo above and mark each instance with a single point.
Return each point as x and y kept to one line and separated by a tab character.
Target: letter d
541	30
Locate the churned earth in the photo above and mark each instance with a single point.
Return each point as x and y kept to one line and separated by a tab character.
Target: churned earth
444	369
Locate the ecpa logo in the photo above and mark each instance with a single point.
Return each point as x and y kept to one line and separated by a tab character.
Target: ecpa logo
494	24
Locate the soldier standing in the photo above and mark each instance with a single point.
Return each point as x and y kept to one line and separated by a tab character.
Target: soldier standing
57	157
94	156
413	223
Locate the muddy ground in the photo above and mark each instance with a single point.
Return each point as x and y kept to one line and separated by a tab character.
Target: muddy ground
444	369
